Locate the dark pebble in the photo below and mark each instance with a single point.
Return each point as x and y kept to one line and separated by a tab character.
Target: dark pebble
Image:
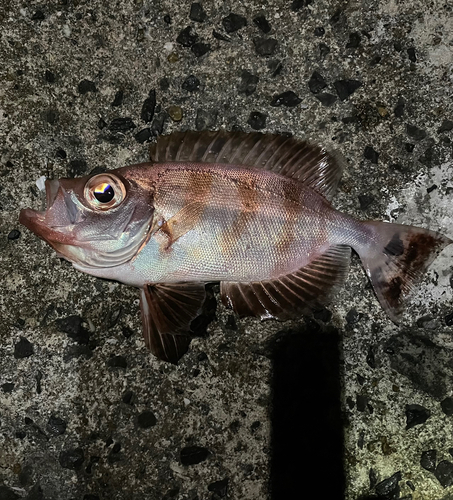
164	83
146	419
76	351
447	406
8	494
128	398
8	387
167	19
389	488
320	31
248	82
14	234
191	455
326	99
61	153
354	41
102	123
372	476
220	488
157	127
361	402
38	378
23	349
219	36
56	426
143	136
72	458
427	156
446	126
197	13
118	100
399	109
86	86
257	120
233	22
444	473
411	54
187	37
38	16
449	319
371	154
345	88
428	460
375	60
275	67
416	415
365	201
411	485
117	362
191	83
49	76
205	120
323	50
36	493
316	82
323	315
200	49
298	4
149	106
262	23
288	98
353	316
265	46
51	116
431	188
72	326
416	133
409	147
20	435
121	124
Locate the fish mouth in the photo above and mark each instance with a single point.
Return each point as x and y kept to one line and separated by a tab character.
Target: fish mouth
36	220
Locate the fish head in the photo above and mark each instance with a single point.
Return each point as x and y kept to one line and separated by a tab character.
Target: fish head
97	221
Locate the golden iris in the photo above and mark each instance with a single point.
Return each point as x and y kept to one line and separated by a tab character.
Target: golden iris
104	192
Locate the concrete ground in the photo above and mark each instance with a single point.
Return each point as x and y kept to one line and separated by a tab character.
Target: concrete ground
347	404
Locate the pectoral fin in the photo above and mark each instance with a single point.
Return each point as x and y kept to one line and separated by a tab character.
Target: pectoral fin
182	222
167	311
293	294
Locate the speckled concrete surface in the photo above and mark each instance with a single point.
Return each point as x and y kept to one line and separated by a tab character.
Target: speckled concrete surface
85	411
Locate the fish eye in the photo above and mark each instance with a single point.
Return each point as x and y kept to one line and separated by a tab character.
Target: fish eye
104	191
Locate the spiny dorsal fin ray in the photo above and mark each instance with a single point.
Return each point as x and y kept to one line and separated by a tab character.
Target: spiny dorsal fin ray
167	311
290	295
308	163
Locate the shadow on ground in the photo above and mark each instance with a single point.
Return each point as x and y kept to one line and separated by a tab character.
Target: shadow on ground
307	425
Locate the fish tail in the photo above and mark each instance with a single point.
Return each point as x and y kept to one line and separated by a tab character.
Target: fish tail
395	258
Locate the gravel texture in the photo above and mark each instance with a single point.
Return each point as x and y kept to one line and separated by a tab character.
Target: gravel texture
346	404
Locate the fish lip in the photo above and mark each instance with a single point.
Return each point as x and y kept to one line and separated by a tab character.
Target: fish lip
52	188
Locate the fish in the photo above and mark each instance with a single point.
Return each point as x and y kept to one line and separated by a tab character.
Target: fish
249	210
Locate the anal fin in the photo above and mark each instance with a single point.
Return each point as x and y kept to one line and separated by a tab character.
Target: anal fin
167	310
290	295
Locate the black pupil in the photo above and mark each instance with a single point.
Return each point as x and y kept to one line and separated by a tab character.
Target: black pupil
105	195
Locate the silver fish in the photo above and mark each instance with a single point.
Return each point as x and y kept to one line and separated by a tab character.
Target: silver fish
249	210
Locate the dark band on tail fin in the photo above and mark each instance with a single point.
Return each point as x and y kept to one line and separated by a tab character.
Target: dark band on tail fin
399	257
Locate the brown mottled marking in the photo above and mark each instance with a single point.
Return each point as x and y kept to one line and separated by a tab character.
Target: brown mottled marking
249	207
292	211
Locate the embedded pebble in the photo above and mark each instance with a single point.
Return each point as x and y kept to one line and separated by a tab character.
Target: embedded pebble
288	98
191	83
265	46
416	415
444	473
316	82
192	455
248	82
175	113
197	12
257	120
345	88
233	22
146	419
23	349
148	107
428	460
263	24
72	458
14	234
86	86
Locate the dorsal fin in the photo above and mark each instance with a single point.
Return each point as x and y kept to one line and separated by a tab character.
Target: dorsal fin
308	163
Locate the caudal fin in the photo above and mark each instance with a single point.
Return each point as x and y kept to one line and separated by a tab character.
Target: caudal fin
396	260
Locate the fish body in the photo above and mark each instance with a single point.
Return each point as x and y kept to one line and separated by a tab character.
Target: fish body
249	210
